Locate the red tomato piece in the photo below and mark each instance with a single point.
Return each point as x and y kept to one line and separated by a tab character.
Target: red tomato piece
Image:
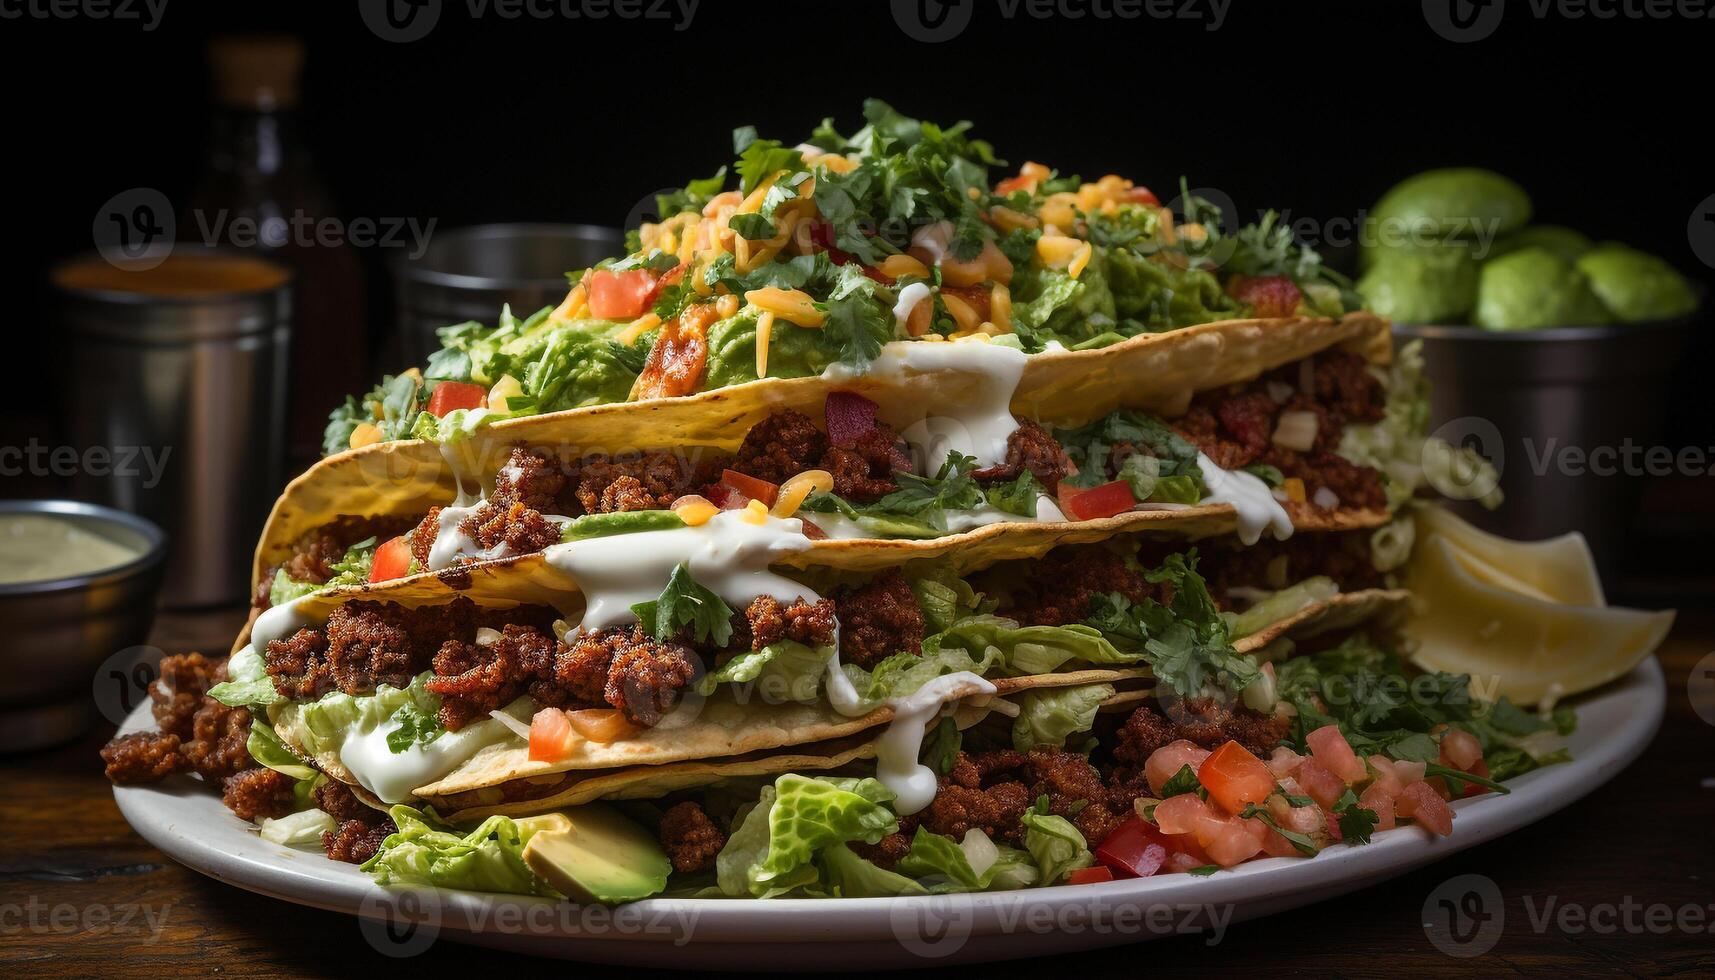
551	736
1011	184
1098	502
1140	194
392	560
1090	875
1234	778
450	396
751	487
1267	296
620	295
1134	849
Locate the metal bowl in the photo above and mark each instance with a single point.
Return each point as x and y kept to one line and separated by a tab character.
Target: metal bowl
60	633
1569	415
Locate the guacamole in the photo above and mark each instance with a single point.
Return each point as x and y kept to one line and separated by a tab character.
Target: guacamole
1533	288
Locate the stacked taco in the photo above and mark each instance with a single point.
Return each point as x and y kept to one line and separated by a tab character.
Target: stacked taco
869	529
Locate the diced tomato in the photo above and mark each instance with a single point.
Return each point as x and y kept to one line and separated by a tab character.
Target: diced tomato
1180	862
450	396
1267	296
392	560
1419	803
1319	784
1011	184
1140	194
822	233
551	736
620	295
1181	814
751	487
1234	778
1090	875
1237	841
1379	801
1387	777
1164	763
1284	761
1460	749
602	725
680	356
1331	749
1134	849
1097	502
1474	789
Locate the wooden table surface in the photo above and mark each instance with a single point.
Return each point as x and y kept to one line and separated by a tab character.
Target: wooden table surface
1621	882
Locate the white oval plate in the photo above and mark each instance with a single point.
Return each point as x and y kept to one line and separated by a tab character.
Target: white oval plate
182	818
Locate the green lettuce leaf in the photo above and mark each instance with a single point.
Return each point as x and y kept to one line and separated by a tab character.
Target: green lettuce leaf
1023	650
772	851
1055	845
1048	716
784	671
489	858
247	683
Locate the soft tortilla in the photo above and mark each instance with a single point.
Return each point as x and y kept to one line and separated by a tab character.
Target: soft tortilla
1154	372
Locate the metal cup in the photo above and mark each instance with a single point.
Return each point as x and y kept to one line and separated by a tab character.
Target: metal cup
469	273
1557	409
182	379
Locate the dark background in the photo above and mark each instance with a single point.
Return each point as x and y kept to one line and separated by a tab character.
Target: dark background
1313	108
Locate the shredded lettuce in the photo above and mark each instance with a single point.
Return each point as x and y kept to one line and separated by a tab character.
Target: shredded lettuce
489	858
1056	845
772	849
247	683
1023	650
974	864
1276	606
302	829
1049	715
779	672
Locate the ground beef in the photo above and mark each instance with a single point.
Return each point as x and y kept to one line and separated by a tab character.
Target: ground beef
650	482
532	479
884	853
258	792
780	447
690	838
810	623
1030	447
177	693
218	747
356	841
644	679
956	810
864	469
298	665
473	679
422	537
1203	721
518	529
1272	565
878	620
342	804
580	668
1357	487
1075	790
1058	587
1345	383
143	757
173	710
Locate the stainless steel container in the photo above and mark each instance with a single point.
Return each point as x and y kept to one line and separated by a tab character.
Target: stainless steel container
1574	416
60	634
470	273
182	380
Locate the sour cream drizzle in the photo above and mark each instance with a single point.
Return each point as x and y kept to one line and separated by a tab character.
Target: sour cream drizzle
958	415
391	776
1250	497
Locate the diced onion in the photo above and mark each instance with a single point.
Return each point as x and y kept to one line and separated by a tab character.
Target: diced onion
1325	498
980	852
1279	392
517	727
487	637
1296	430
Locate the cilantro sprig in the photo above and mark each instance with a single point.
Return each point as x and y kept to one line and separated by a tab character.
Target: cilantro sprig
682	605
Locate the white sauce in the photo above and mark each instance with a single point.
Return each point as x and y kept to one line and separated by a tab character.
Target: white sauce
972	416
897	750
391	776
277	623
728	556
1250	498
909	297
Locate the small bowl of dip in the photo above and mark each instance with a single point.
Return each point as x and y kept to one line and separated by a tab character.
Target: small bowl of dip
77	587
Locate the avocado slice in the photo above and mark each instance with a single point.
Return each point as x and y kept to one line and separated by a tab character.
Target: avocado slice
593	853
1456	201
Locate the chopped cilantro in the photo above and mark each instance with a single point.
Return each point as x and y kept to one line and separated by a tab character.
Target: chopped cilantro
684	603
